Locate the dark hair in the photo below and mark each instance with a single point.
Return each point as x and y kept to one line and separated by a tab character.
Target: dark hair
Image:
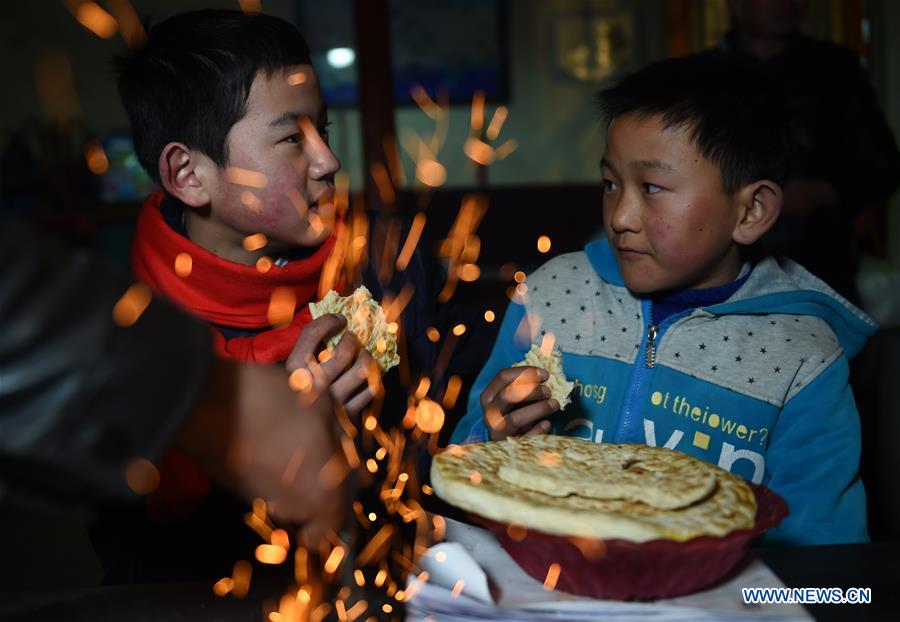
191	80
735	115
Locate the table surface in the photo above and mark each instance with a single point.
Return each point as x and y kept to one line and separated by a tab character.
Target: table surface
875	565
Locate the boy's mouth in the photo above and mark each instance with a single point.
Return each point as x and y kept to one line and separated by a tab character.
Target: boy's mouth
323	203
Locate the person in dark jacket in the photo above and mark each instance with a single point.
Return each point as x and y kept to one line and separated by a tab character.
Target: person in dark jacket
92	392
842	154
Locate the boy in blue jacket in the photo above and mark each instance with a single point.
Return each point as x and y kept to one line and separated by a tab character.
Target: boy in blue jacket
671	332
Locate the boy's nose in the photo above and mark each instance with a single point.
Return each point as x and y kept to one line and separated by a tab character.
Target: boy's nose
624	213
324	163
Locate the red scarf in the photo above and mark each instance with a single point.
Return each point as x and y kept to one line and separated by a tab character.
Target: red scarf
221	292
224	292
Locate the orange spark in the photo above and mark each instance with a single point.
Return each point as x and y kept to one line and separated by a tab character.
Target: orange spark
359	577
281	306
280	538
350	452
241	576
452	392
334	559
300	567
131	305
412	240
431	172
552	576
375	546
129	23
424	386
270	554
383	183
543	244
250	201
433	334
475	478
489	316
505	149
477	116
254	242
245	177
184	264
93	17
516	531
223	586
142	476
333	473
459	330
300	380
263	264
549	459
458	588
424	101
295	79
469	272
96	158
496	124
393	311
519	276
478	151
547	342
429	416
56	87
251	7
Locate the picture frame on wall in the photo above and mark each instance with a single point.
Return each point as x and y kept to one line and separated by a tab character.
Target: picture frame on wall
451	48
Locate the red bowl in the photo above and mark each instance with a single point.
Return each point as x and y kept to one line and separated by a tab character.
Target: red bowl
625	570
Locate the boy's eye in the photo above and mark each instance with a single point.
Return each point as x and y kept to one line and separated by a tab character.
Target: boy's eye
294	139
609	185
651	188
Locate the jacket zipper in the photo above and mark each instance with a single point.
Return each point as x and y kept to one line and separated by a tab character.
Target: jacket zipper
650	351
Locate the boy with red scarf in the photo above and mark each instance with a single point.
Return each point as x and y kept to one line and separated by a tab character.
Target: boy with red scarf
227	117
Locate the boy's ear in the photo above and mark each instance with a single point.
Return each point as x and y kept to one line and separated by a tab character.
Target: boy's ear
178	168
759	206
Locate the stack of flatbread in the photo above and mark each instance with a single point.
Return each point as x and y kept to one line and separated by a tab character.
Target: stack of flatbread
366	320
571	487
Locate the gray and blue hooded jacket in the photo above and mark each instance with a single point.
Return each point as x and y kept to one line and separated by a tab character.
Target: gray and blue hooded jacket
757	384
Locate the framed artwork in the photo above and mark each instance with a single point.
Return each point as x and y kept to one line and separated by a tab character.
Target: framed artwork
454	47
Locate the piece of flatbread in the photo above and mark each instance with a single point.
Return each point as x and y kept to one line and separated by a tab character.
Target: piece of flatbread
366	320
469	476
656	476
559	386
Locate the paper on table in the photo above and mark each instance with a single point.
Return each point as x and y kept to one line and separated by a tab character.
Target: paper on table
495	588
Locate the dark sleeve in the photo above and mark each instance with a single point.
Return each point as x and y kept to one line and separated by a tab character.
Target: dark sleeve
871	162
80	397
